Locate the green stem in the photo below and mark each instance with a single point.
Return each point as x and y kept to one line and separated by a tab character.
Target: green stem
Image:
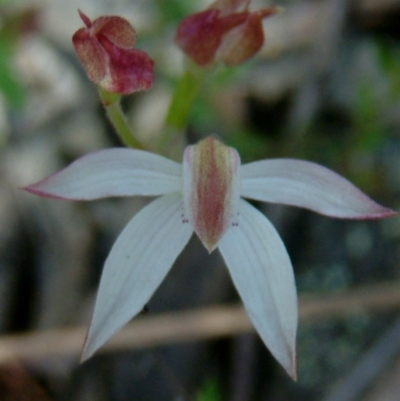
111	102
181	104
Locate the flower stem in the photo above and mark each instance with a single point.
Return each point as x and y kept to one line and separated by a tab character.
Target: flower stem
111	102
182	100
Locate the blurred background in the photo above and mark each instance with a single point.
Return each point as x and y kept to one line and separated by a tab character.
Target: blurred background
325	87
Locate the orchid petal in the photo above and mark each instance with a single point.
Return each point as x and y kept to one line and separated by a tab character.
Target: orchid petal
242	42
112	172
137	264
308	185
91	54
130	70
262	273
117	29
199	35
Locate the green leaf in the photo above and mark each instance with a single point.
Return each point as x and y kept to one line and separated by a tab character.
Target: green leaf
175	10
389	58
10	86
210	391
368	124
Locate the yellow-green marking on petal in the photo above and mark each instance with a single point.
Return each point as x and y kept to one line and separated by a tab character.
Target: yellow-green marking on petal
211	187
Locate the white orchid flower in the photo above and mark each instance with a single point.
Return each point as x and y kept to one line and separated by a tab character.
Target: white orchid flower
204	195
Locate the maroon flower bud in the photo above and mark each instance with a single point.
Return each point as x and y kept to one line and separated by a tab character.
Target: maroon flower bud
225	32
105	48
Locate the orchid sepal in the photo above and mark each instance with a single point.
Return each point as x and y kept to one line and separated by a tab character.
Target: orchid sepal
112	172
127	282
308	185
266	284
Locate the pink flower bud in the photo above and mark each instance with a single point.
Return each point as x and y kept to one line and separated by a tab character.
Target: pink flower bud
226	32
105	48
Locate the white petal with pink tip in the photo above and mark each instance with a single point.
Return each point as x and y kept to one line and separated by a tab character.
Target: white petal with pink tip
138	262
308	185
262	272
112	172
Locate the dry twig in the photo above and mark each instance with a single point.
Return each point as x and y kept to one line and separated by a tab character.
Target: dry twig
195	325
